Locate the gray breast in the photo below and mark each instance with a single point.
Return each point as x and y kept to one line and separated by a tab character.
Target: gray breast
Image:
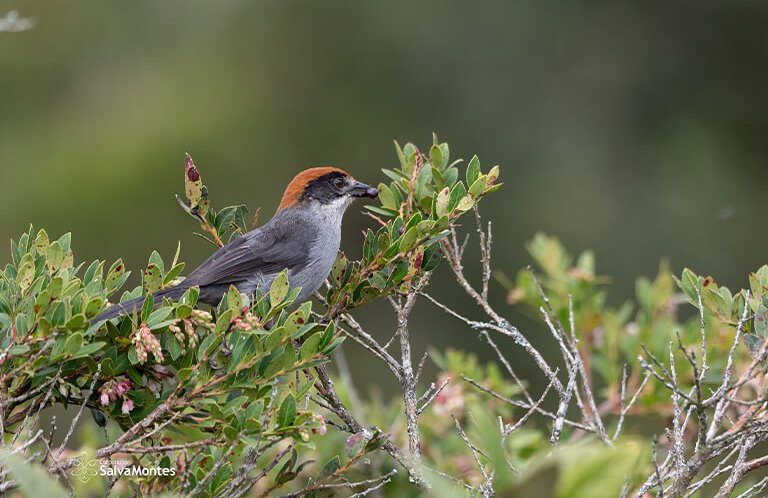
322	256
323	227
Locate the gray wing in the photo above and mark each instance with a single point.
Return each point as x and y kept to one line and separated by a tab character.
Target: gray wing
264	251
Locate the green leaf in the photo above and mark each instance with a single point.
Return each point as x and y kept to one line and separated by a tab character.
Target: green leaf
18	349
89	349
234	300
193	184
331	466
22	324
146	308
410	152
400	154
445	153
174	272
431	257
55	287
223	322
437	178
330	331
473	170
381	211
58	348
183	374
74	341
65	241
25	273
441	202
157	260
93	306
465	204
173	346
92	272
478	187
275	338
339	270
399	178
715	302
158	316
294	322
135	376
241	345
153	278
458	193
76	322
68	260
334	344
409	239
55	257
423	187
491	178
279	289
132	356
310	346
436	156
190	297
183	311
288	359
287	412
386	197
224	218
451	175
689	284
41	243
59	314
208	343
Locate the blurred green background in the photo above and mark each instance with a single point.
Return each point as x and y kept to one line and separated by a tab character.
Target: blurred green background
635	129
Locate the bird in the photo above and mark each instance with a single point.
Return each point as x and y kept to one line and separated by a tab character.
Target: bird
303	237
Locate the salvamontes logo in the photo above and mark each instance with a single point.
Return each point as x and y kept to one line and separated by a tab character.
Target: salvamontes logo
86	468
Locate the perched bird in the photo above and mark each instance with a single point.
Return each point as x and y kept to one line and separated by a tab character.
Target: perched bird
303	237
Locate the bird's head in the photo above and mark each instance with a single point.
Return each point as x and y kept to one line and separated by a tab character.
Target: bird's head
326	186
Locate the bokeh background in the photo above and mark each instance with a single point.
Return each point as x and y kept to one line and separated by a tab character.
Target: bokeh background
639	130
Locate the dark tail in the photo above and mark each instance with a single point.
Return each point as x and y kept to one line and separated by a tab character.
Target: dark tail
128	307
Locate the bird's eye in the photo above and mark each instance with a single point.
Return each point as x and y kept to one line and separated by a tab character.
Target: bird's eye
338	183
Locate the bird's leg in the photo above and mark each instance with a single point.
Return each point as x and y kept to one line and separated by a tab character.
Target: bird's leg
222	350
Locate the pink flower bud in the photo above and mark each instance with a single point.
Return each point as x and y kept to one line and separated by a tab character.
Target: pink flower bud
122	387
127	406
323	428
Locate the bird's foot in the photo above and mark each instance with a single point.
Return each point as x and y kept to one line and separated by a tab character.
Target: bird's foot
223	350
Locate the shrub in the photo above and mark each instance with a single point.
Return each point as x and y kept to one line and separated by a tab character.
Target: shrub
238	400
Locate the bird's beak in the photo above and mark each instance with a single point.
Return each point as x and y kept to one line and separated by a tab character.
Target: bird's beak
360	189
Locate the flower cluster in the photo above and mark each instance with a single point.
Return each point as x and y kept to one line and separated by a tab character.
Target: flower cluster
146	343
247	320
114	389
184	331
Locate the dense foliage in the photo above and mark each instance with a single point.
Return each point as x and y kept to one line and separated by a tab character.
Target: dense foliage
238	399
232	384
